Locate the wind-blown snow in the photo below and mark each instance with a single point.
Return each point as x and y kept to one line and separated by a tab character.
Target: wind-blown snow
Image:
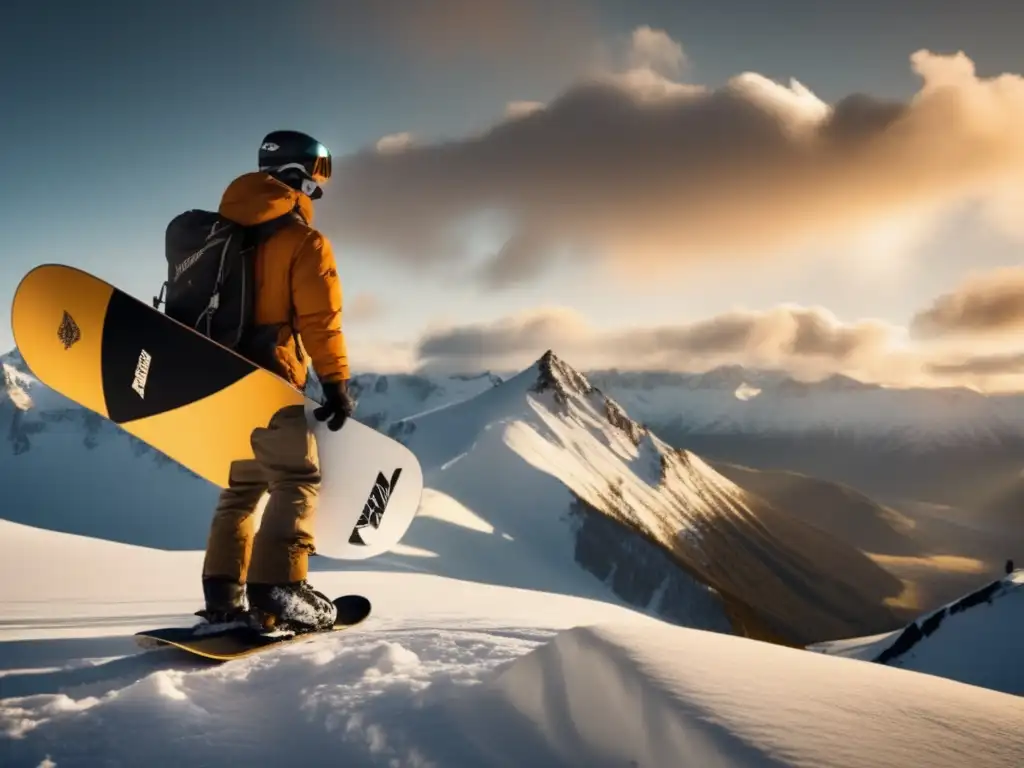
443	673
976	639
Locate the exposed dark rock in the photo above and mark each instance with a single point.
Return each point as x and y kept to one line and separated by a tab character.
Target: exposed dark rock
916	631
641	572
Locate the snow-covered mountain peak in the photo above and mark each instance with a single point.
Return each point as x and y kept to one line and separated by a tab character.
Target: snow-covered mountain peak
568	386
555	375
651	459
547	456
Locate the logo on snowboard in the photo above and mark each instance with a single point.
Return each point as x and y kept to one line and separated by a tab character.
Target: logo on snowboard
68	332
142	373
373	510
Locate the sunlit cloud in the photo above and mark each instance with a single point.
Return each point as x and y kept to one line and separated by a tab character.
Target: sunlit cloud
643	172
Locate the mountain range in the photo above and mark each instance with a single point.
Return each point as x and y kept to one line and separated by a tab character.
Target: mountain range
646	519
949	447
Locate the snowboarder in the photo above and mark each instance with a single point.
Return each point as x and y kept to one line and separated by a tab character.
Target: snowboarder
296	309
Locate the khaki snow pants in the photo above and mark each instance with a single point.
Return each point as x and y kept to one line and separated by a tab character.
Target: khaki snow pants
287	466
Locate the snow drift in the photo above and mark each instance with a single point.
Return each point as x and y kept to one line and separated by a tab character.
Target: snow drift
627	695
443	673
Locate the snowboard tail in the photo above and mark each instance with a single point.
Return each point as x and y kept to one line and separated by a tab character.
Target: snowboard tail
154	377
241	642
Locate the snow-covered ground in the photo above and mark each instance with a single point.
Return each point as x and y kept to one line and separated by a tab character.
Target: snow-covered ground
445	672
976	639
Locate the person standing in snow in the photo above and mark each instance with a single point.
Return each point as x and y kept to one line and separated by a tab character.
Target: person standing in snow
296	309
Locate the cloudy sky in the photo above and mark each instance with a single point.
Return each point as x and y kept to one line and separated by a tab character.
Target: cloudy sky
820	187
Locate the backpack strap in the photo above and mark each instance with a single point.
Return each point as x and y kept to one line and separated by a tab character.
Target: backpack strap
233	231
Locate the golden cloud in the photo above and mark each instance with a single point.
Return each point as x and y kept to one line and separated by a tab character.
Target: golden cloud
985	304
648	174
787	335
807	342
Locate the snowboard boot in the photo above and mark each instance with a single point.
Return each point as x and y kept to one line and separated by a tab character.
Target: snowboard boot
290	608
225	604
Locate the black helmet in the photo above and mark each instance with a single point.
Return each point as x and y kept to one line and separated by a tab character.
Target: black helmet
297	159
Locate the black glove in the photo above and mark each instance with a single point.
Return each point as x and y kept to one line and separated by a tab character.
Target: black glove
338	405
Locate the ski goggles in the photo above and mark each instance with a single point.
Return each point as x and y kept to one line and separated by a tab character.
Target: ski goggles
321	161
314	162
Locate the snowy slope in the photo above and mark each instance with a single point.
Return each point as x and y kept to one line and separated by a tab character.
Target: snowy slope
445	673
546	457
976	639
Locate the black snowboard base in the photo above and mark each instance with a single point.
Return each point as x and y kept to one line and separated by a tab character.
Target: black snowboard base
236	643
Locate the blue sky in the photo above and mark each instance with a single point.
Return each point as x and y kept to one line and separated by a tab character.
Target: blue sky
118	115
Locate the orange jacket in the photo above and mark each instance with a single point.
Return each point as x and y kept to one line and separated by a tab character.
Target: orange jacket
298	292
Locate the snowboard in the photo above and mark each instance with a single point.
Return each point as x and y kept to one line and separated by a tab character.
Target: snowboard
239	642
198	402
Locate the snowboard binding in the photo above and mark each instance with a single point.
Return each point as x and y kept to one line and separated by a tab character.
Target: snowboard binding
261	622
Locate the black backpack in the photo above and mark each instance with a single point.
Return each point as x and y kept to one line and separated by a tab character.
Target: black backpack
210	282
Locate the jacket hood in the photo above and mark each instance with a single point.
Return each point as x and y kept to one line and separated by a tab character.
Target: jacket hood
256	197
